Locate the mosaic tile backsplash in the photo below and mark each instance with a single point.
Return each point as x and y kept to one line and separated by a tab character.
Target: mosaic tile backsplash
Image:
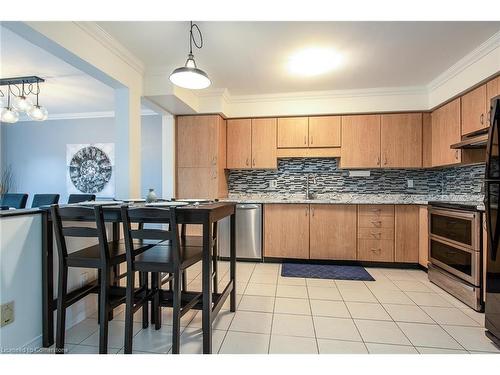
292	173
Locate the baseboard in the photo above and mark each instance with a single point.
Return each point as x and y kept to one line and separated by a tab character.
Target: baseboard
345	263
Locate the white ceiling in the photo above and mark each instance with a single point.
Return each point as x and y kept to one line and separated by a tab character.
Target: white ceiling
251	57
66	90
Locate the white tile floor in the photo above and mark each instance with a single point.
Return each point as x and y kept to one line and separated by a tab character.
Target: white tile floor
400	312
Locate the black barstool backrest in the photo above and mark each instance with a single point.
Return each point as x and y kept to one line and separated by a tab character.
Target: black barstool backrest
60	215
78	198
44	200
154	215
14	200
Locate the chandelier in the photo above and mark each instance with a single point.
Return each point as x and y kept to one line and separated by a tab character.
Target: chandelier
16	96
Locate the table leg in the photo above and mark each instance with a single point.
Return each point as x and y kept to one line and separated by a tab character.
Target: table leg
47	281
232	265
207	288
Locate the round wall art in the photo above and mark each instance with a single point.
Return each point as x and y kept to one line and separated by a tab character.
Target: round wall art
90	169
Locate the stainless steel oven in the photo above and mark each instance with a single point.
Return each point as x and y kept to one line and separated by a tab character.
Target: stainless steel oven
455	250
455	243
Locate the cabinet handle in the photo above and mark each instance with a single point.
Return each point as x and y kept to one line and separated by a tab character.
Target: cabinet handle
456	154
311	139
385	159
489	116
376	250
378	160
253	162
312	209
305	140
307	210
214	160
481	118
247	162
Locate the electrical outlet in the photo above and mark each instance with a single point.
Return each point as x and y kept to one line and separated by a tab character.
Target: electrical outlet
6	313
273	184
410	183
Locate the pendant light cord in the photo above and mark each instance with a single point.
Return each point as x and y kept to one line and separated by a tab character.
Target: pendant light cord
192	39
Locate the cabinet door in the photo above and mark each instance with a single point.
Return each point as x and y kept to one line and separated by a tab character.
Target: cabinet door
423	234
445	132
360	141
324	131
401	140
333	231
197	140
286	231
406	234
293	132
492	90
239	143
474	110
264	143
197	183
426	140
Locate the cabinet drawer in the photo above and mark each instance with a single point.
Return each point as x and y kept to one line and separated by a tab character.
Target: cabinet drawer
376	250
376	233
371	221
376	210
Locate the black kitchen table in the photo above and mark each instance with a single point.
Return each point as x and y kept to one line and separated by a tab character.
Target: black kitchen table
205	214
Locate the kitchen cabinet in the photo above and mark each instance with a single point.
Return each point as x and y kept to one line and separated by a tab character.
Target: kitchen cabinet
406	227
375	233
251	144
474	110
360	141
332	231
401	140
264	143
324	131
286	231
239	143
293	132
201	157
423	236
492	90
426	140
445	132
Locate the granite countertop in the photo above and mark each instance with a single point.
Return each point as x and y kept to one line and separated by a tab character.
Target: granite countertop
355	199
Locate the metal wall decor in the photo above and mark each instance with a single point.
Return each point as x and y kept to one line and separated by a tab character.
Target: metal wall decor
90	169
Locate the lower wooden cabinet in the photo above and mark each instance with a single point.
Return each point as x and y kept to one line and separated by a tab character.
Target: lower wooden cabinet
286	231
406	239
376	250
332	231
376	233
423	236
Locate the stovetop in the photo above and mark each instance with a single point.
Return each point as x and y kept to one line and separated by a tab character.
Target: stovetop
467	206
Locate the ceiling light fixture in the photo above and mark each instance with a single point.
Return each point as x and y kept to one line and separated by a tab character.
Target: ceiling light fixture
25	86
314	61
190	76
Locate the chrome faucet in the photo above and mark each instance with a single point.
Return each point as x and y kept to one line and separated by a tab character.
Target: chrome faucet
310	195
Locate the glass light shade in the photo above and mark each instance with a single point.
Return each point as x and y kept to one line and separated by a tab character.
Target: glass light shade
22	103
38	113
9	115
190	78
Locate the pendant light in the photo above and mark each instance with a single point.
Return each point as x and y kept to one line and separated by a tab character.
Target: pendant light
37	112
8	114
21	103
190	76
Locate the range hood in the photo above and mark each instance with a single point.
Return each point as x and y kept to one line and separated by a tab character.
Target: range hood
472	141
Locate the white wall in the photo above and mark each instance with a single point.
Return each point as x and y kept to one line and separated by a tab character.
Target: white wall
37	151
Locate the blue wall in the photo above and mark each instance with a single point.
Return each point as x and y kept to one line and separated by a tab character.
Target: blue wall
37	151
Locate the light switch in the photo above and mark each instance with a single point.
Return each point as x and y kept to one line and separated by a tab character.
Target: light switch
6	313
410	183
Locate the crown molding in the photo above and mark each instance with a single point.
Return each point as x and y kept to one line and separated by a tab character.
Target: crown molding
472	57
103	37
87	115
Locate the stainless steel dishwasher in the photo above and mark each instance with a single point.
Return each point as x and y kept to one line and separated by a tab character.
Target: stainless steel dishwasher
248	232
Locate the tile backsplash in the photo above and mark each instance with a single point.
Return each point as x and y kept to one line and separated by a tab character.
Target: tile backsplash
291	175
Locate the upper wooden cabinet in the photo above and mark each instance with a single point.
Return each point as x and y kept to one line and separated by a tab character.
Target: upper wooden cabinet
264	143
251	143
360	141
332	231
286	231
445	132
201	157
324	131
492	90
475	108
401	140
293	132
239	143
